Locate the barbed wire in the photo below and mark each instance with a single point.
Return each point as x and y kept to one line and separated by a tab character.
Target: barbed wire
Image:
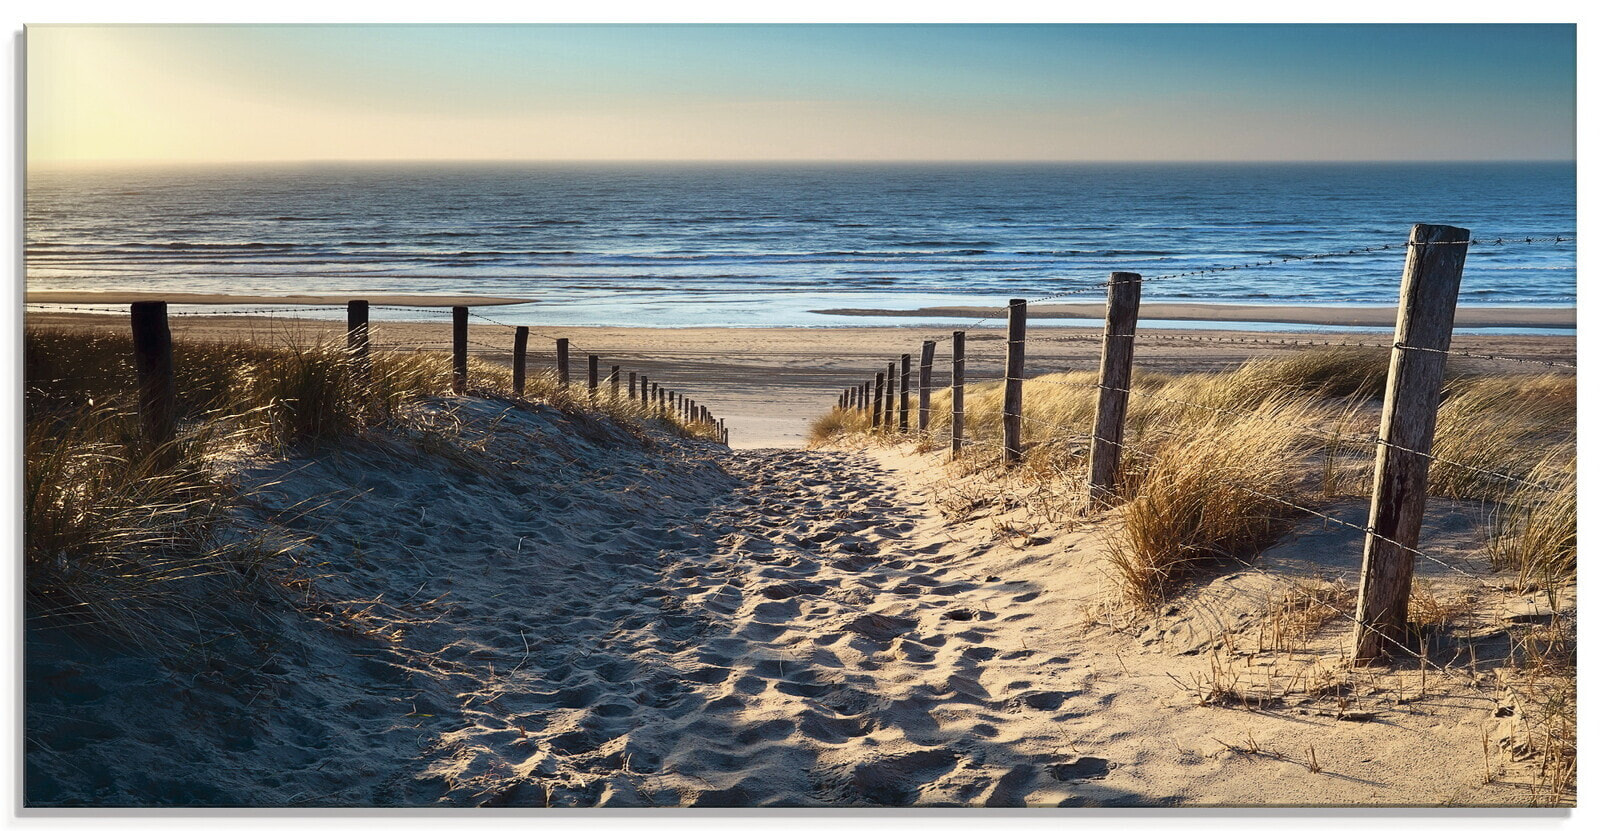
1282	260
1461	353
1153	457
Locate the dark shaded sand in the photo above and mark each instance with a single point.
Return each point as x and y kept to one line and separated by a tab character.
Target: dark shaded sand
1466	316
269	299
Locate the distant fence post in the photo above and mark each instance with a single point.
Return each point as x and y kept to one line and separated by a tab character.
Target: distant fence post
158	386
357	339
616	382
1116	374
672	402
563	368
458	377
594	378
888	399
1016	340
958	390
519	361
877	401
905	392
1435	257
633	386
924	386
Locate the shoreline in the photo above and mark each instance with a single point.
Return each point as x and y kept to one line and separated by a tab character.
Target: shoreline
1466	316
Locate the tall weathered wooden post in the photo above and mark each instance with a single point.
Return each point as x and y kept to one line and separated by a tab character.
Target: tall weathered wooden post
1116	374
458	376
158	386
924	386
1011	411
958	390
1435	258
519	361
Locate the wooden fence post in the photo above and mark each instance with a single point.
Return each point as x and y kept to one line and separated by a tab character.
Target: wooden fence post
458	378
616	382
866	395
158	386
594	378
905	392
877	401
519	361
356	332
1435	258
924	386
633	386
888	399
958	390
1016	339
563	368
1116	374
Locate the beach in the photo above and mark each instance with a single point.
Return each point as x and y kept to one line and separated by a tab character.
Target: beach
768	383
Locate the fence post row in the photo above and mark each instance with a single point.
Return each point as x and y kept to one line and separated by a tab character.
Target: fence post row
1116	373
563	369
924	384
458	376
1429	287
158	386
519	361
1016	337
905	392
958	390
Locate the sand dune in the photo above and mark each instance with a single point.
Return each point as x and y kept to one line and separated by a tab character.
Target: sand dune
526	608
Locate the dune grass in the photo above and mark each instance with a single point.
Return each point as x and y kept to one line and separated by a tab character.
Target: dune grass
1215	491
1536	530
1500	425
1207	450
112	529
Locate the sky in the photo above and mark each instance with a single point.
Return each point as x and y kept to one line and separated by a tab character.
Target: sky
1069	92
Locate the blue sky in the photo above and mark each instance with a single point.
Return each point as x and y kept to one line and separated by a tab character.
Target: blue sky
1145	92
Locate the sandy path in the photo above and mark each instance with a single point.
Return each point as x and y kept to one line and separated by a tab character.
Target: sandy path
546	610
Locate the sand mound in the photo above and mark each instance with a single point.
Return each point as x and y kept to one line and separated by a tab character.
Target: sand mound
526	608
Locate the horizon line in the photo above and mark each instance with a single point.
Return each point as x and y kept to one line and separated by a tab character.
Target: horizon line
793	161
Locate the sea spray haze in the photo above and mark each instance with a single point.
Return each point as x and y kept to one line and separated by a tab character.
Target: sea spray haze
765	244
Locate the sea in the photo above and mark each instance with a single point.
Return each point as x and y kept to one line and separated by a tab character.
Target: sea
780	244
